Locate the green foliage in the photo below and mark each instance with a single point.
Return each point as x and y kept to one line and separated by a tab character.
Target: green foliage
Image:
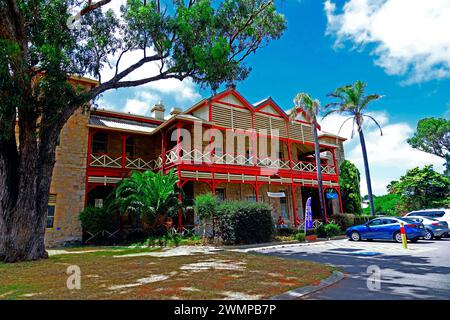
300	237
148	194
388	205
349	179
328	230
95	219
205	206
242	222
422	188
285	231
433	136
344	220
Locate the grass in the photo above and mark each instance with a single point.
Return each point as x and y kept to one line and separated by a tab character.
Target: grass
195	276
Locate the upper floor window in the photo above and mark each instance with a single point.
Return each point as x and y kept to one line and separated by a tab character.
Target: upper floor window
129	147
99	142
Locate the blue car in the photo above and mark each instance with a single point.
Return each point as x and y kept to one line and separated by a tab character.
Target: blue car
387	228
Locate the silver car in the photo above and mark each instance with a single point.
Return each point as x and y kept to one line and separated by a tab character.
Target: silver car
435	228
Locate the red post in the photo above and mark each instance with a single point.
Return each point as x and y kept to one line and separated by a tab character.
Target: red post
124	152
294	206
180	216
257	192
163	150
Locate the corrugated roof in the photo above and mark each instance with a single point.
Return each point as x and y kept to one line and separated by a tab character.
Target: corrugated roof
122	124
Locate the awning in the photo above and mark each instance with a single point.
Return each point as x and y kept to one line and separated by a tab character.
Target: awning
121	124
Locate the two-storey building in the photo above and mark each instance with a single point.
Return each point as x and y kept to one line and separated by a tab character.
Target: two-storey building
223	144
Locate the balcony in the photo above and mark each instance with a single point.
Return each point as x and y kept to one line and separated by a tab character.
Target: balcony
197	157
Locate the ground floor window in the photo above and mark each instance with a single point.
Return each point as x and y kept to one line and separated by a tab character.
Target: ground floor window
220	195
50	215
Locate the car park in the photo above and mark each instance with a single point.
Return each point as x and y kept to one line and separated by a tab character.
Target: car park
435	228
387	228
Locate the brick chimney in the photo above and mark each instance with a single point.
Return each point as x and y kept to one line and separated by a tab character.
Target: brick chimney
158	111
174	111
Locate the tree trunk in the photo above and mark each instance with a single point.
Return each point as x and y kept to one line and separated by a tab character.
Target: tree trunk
319	174
23	218
25	178
367	171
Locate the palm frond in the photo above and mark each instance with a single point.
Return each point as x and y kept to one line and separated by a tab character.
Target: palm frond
376	122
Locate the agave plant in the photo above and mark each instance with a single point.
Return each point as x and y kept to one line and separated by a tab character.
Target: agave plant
353	102
149	195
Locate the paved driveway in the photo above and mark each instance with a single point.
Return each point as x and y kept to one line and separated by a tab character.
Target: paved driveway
421	272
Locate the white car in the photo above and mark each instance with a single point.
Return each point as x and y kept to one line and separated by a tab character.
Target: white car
439	214
435	228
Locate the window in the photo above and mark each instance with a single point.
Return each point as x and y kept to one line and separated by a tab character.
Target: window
99	142
98	203
389	221
50	215
283	207
220	195
129	147
375	222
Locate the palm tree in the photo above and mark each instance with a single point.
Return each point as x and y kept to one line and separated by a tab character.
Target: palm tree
353	102
303	102
152	196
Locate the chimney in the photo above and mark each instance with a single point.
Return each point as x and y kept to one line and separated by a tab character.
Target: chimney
174	111
158	111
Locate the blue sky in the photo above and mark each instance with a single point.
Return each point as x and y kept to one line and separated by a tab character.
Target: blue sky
332	43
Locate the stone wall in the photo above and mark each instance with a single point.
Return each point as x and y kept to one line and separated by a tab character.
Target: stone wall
68	181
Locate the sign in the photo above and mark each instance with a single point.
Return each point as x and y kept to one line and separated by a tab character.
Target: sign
276	194
332	195
308	215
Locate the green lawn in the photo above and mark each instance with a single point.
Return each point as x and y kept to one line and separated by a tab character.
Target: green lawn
107	275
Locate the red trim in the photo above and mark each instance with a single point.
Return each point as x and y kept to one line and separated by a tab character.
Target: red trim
234	92
273	104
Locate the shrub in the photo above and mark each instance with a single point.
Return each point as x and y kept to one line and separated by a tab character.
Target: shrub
205	207
344	220
328	230
301	237
95	219
285	231
242	222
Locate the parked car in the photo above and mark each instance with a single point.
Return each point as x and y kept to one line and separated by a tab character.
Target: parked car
387	228
440	214
435	228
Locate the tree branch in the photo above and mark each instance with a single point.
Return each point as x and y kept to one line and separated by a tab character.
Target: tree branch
92	6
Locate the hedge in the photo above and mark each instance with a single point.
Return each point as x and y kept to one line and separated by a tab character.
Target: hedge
243	222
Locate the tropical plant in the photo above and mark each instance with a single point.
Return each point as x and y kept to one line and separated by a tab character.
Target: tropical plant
433	136
353	101
422	188
152	196
205	207
304	103
42	46
349	183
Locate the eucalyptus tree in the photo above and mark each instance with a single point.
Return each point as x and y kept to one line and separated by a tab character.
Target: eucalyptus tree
352	101
304	103
42	45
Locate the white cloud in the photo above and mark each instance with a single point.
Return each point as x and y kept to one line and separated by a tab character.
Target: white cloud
409	37
390	156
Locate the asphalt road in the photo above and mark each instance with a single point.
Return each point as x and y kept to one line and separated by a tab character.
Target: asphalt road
421	272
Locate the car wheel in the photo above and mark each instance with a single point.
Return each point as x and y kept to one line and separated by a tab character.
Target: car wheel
429	235
355	236
398	237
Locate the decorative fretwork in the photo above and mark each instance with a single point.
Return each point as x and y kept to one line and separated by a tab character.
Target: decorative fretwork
105	161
